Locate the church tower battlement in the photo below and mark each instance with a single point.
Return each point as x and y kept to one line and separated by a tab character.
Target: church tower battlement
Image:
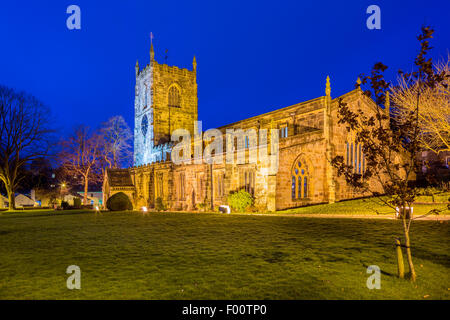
165	100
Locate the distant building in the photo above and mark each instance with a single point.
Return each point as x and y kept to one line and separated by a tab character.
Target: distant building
22	200
94	197
3	201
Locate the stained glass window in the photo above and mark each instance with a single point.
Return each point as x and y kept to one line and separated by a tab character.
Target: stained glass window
299	181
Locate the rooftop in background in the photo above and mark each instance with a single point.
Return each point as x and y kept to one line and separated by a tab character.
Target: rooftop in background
119	178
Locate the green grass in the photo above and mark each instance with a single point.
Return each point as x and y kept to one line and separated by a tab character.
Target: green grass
214	256
368	206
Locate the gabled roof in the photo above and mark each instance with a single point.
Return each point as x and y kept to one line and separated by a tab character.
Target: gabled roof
119	178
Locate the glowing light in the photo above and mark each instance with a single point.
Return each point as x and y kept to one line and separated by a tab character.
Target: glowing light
96	208
407	210
144	209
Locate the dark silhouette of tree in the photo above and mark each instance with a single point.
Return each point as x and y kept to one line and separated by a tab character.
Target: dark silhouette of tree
24	136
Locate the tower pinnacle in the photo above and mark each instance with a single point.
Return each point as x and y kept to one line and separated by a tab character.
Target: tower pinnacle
194	64
328	87
152	53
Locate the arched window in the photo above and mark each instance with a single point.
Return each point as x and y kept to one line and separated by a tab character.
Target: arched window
300	182
174	97
144	125
355	157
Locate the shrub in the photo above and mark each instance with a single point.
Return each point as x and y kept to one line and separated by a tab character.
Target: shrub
159	204
119	202
203	206
77	203
251	209
65	205
240	200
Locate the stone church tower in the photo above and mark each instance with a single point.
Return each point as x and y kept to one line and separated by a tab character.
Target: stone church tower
165	100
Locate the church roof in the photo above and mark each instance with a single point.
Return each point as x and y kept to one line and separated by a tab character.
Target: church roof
119	178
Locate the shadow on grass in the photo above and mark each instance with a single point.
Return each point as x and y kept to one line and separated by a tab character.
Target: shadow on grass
27	215
365	265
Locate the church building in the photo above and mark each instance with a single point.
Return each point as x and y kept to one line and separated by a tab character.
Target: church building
309	137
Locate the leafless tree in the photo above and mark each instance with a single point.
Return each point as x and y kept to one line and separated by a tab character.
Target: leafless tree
433	106
24	136
80	156
116	135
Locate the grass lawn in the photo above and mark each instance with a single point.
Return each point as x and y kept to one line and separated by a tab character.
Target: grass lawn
368	206
127	255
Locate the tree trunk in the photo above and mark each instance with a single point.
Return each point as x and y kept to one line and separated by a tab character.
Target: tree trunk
11	199
412	272
400	264
86	184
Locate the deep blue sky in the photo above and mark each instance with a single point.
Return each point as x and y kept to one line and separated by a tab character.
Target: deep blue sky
253	56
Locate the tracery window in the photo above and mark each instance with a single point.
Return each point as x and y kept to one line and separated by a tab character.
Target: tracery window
355	157
300	182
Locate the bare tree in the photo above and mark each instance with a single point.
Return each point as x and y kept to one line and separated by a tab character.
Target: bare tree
116	147
434	107
24	136
389	144
79	156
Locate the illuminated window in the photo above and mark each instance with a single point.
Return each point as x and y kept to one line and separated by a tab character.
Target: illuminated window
284	132
359	157
174	97
355	157
351	154
348	152
299	181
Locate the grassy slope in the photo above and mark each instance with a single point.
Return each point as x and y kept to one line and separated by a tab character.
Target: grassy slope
369	206
213	256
